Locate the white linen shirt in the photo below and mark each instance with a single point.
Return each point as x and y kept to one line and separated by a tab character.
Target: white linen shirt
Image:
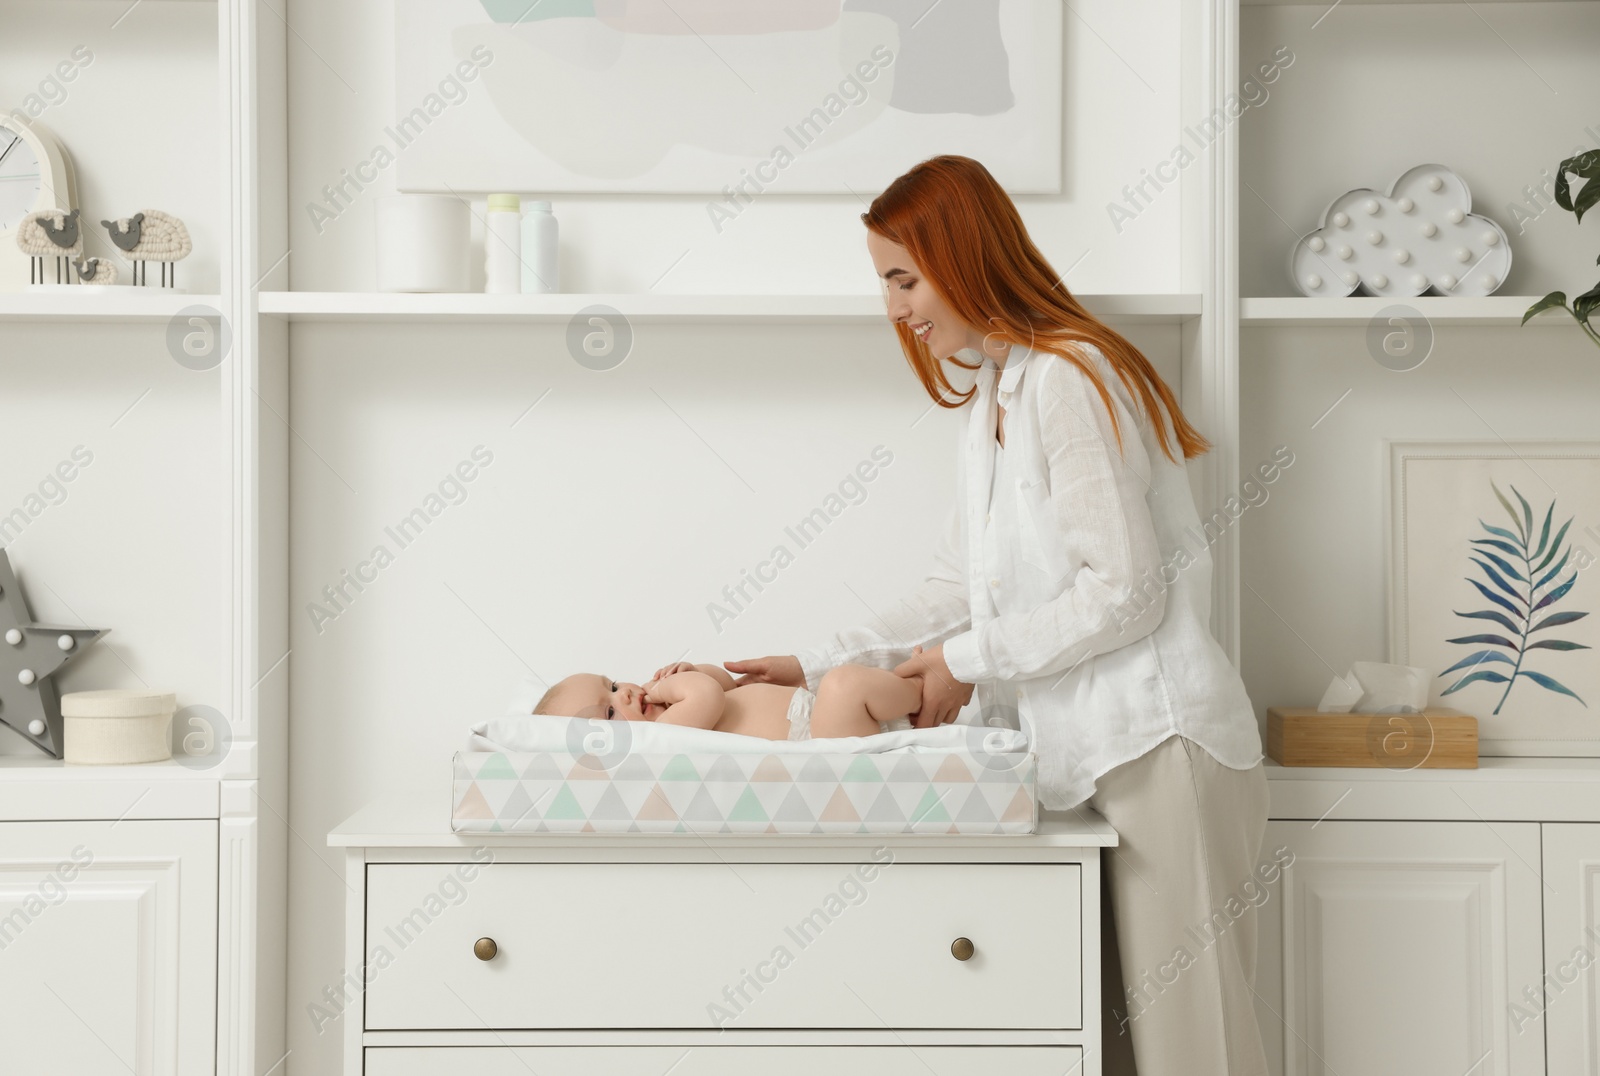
1087	622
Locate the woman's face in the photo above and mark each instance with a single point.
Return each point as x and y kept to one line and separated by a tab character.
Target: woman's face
911	298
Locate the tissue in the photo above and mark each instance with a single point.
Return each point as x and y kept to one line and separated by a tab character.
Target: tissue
1374	687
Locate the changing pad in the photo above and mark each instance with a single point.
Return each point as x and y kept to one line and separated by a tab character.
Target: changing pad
538	774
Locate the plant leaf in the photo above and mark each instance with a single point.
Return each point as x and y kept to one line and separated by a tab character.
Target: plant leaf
1544	535
1487	674
1502	532
1497	599
1501	583
1555	620
1556	545
1554	301
1553	572
1492	640
1522	535
1498	618
1504	547
1527	514
1482	657
1504	567
1554	685
1557	644
1556	594
1584	304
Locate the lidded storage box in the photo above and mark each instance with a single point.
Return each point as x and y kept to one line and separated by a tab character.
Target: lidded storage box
117	725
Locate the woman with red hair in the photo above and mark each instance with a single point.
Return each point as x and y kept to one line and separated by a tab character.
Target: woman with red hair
1070	589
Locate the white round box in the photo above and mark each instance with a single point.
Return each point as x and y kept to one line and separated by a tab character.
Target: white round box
117	726
422	243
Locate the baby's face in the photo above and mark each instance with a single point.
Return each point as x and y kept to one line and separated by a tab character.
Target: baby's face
605	699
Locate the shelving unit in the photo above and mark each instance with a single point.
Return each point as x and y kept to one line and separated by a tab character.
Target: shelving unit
727	309
123	304
1489	310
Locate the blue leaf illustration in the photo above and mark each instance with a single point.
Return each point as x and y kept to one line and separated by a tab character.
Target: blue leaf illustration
1491	677
1482	657
1554	685
1495	578
1498	618
1555	620
1515	584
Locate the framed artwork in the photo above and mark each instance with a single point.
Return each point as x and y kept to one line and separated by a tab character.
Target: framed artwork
720	97
1494	586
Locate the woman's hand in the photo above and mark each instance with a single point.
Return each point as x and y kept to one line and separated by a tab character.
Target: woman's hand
783	670
943	695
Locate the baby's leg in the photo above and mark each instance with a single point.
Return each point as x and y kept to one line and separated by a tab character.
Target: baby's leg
853	700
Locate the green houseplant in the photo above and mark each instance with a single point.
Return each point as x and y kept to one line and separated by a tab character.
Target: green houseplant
1587	167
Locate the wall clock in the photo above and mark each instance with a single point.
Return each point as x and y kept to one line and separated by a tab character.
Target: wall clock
35	173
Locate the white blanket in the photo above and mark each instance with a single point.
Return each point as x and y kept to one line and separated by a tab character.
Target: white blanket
537	732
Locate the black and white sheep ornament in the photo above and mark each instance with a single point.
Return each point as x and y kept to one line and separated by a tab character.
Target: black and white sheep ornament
50	233
96	271
151	236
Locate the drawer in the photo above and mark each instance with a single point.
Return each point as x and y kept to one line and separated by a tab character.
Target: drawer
724	945
723	1060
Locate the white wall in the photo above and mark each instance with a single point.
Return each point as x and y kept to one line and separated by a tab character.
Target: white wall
617	509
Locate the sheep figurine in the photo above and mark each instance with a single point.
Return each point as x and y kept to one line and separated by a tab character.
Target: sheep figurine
151	236
50	233
96	271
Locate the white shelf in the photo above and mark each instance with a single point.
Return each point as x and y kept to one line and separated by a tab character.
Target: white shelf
124	304
1358	309
731	309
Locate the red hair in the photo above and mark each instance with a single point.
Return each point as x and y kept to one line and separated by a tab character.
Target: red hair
966	237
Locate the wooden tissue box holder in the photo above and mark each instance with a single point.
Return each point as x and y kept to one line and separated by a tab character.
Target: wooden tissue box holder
1436	739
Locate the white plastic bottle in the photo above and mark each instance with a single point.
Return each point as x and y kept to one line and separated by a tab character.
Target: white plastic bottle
540	270
502	244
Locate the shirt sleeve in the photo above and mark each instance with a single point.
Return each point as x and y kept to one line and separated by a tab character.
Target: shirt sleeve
937	609
1098	502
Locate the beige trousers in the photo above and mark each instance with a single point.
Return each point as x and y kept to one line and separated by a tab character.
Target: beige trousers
1179	896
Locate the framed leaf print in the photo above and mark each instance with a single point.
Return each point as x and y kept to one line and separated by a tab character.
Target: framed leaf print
1494	586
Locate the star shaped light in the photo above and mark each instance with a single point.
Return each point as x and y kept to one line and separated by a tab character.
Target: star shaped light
30	655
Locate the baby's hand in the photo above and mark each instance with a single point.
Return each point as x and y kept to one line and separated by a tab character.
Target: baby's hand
668	670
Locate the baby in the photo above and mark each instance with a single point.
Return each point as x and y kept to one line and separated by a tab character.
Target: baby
851	700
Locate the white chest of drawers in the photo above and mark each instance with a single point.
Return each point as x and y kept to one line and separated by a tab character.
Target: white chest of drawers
569	954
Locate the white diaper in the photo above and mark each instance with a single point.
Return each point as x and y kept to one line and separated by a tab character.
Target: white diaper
800	704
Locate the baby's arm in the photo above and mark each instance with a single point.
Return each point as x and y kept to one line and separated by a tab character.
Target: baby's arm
713	671
691	698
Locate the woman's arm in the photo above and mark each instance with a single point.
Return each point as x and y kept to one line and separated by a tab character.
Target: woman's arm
1099	498
691	698
937	609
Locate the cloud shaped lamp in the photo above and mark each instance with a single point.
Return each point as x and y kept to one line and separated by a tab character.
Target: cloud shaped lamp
1421	237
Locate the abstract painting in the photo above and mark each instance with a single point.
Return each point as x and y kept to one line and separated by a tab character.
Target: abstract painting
722	97
1492	579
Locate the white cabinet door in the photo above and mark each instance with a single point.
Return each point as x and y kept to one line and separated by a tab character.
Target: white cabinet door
1568	1001
1398	948
108	947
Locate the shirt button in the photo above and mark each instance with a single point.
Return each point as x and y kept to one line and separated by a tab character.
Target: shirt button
989	518
994	582
1019	693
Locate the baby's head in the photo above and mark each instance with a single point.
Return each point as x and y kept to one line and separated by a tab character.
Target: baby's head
599	698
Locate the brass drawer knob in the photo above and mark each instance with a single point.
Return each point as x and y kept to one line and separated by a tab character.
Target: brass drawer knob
485	949
962	949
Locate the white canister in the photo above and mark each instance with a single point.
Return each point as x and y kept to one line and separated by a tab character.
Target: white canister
422	242
540	270
502	245
117	726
